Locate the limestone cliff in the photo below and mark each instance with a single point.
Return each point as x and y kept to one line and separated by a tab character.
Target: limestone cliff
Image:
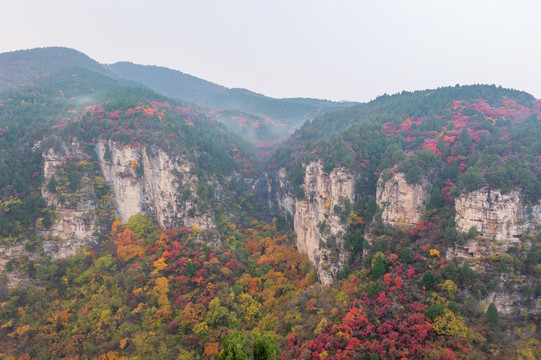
402	203
318	222
502	216
143	180
148	181
512	301
275	190
74	222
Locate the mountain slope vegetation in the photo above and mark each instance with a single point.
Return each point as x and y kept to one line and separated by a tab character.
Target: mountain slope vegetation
241	288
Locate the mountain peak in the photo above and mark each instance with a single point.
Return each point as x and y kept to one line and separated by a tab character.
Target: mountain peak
24	67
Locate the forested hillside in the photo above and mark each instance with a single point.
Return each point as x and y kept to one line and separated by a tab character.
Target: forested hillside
474	133
79	104
133	225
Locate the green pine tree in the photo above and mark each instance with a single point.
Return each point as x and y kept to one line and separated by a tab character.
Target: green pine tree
492	316
378	270
429	280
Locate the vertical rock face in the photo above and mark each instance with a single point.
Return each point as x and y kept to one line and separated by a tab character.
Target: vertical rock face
263	188
276	192
74	218
118	168
512	302
152	183
282	193
318	226
402	203
480	254
495	214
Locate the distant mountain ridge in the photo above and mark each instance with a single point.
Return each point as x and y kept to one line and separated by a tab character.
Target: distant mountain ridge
252	115
264	120
24	67
174	83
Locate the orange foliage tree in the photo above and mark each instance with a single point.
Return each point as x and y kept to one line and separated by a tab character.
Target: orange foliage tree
128	244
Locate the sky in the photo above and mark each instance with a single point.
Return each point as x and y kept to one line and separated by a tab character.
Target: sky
333	49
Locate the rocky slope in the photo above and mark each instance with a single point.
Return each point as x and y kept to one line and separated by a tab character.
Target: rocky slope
402	203
74	221
13	278
487	256
496	216
501	220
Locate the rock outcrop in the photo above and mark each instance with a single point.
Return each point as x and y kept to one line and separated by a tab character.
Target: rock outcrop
501	221
283	196
276	192
512	302
317	219
74	222
7	253
502	216
402	203
148	181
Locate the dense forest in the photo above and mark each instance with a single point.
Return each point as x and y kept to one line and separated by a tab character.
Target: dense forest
244	291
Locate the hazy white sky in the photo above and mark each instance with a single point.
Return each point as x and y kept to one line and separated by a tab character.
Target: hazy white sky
354	50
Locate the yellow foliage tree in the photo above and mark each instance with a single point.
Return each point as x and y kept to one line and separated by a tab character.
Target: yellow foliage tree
196	231
21	331
161	290
250	307
450	325
449	287
191	315
111	355
159	265
123	343
321	326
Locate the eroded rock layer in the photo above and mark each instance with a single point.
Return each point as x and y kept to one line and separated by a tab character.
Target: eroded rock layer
402	203
493	214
